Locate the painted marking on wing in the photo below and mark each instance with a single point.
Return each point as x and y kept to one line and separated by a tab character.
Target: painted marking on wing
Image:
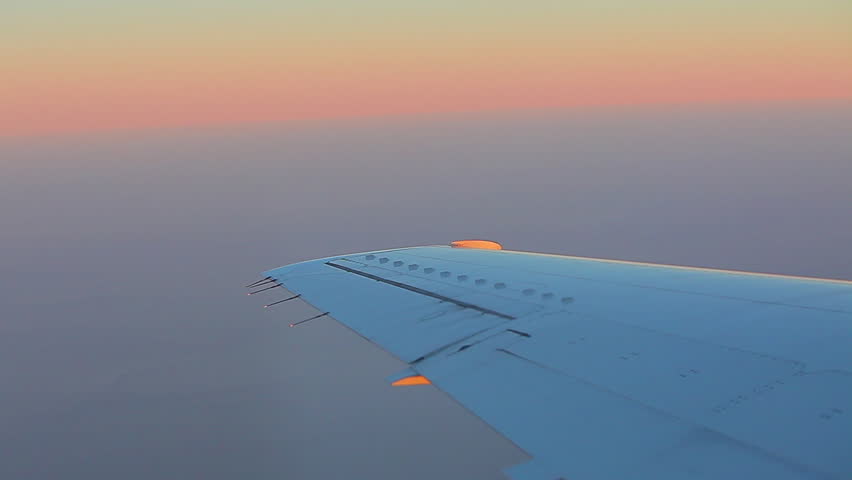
793	463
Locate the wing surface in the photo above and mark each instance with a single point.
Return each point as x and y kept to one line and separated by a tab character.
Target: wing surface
605	369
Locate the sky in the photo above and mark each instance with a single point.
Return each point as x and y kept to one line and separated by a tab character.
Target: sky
128	348
93	65
156	156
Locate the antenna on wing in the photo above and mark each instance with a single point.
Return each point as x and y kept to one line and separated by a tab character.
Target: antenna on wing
265	289
260	282
282	301
309	319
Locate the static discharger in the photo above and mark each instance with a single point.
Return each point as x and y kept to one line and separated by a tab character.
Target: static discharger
266	282
259	282
478	244
282	301
412	380
271	280
265	289
309	319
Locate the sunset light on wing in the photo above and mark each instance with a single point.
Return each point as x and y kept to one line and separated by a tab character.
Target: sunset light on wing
412	380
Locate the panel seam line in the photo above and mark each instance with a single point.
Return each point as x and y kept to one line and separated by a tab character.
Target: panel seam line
422	291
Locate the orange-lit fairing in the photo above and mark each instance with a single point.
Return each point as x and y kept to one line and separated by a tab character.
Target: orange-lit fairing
412	380
481	244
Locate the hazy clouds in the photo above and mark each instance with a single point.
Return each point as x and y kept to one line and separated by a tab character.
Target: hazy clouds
128	350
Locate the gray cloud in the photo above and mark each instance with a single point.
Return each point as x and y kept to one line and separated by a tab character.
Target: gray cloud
128	349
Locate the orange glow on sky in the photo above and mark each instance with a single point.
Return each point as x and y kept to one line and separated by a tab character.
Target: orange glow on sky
126	68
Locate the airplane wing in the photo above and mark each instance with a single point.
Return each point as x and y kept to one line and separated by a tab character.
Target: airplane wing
604	369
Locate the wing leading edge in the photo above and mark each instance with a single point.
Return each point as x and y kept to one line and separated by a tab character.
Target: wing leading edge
604	369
